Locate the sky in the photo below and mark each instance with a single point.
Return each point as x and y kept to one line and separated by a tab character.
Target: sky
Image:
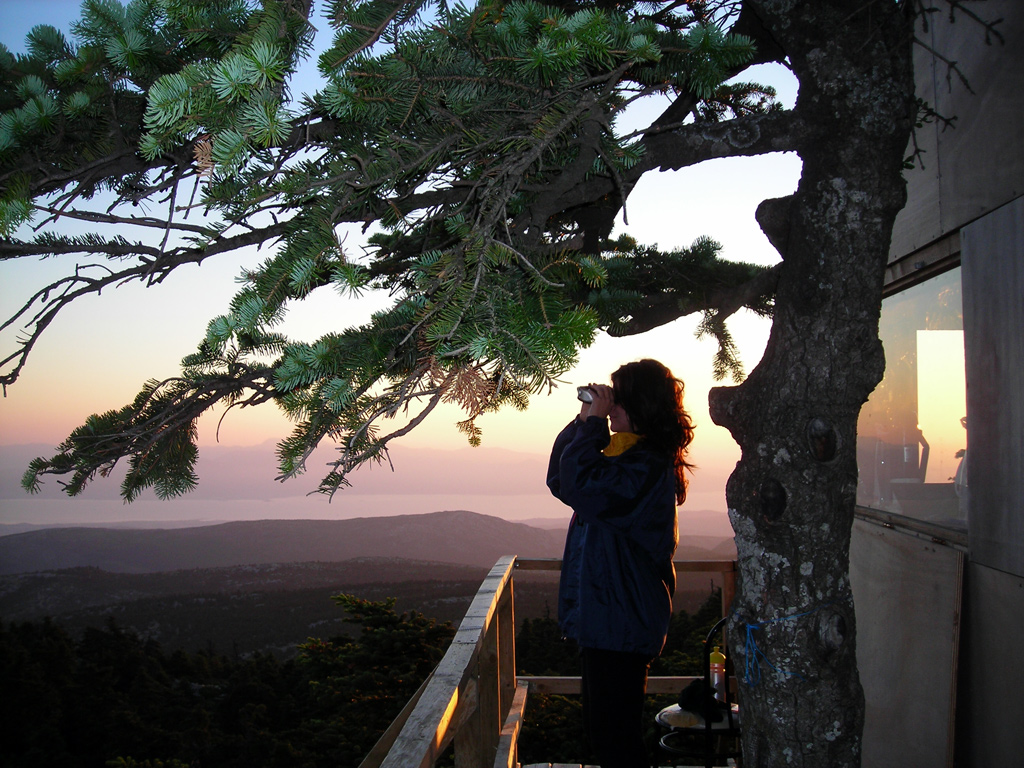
97	353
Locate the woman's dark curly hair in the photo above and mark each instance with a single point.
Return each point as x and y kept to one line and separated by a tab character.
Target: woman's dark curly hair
653	399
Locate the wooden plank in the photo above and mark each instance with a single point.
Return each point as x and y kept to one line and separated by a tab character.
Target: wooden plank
728	591
464	713
923	529
539	564
570	686
993	283
908	598
912	268
682	566
506	650
657	686
705	566
470	737
420	741
484	606
489	716
994	667
509	738
977	167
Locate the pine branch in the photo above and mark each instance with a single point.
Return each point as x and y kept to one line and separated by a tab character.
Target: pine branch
724	302
677	146
485	147
110	219
153	268
157	431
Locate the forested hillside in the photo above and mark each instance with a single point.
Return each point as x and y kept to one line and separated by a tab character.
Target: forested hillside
110	698
267	605
268	608
257	608
253	664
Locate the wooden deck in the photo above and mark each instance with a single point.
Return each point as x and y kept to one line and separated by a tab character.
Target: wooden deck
475	700
732	764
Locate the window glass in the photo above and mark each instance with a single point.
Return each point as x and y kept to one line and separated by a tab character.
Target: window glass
911	436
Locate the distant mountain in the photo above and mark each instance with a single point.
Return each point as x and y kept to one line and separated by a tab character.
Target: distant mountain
265	585
464	538
457	537
9	529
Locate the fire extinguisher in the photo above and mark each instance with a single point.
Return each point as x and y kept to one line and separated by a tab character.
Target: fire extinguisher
717	659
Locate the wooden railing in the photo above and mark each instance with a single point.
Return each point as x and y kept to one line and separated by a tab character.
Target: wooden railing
474	698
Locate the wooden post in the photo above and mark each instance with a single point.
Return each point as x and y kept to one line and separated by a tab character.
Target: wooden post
508	750
476	741
471	733
728	588
506	649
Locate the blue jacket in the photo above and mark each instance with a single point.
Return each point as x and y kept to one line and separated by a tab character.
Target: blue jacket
617	576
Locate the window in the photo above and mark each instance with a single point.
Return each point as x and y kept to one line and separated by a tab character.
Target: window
912	434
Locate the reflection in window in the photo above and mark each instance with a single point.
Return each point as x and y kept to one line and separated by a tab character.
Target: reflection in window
911	436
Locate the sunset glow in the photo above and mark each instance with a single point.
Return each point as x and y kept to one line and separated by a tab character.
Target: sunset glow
942	400
96	354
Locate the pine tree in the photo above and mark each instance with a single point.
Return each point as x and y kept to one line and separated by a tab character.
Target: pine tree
482	140
360	684
455	136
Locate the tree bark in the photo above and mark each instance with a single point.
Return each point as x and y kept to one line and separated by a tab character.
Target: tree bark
792	495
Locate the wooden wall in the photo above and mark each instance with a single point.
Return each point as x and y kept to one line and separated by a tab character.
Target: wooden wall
991	701
907	592
966	206
992	263
978	164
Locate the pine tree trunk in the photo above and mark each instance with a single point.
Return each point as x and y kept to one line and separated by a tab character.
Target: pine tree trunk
792	495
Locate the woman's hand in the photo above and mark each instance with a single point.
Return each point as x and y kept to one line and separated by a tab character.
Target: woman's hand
604	401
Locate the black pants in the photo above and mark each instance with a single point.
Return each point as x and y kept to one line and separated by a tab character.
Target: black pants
614	685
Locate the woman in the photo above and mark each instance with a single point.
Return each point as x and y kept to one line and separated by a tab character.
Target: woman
615	593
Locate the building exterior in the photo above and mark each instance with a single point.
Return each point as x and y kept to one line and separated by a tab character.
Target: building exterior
937	560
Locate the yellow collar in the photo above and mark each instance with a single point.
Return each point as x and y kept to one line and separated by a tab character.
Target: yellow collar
620	443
